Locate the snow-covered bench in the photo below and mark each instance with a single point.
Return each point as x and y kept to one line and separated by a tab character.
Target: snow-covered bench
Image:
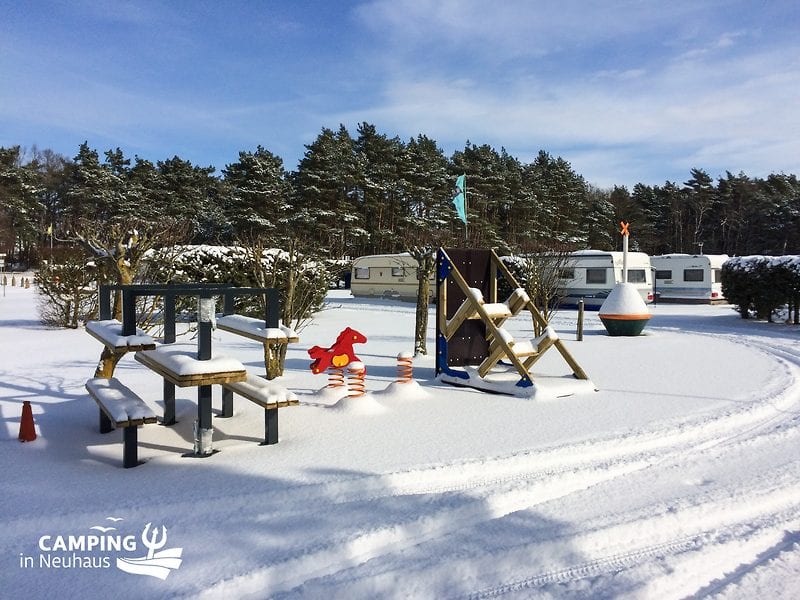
268	395
121	408
256	329
109	332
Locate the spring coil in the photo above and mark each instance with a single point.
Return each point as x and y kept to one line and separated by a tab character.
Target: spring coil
335	377
405	367
355	380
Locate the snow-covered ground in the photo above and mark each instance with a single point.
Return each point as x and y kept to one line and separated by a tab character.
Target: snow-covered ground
678	478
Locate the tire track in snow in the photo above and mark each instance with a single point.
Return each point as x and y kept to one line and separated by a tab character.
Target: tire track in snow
725	427
719	536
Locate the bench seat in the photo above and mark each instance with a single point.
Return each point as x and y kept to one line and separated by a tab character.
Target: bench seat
266	394
255	329
109	333
121	408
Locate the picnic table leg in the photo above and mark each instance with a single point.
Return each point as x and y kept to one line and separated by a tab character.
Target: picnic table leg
227	402
169	404
204	406
204	415
105	422
270	426
130	447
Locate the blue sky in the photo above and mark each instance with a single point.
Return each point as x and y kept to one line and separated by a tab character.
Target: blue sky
627	91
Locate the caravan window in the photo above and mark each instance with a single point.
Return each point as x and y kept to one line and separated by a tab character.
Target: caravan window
595	275
664	274
636	276
693	274
566	273
717	275
398	272
362	272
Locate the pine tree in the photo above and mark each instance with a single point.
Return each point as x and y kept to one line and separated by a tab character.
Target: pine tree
20	207
191	194
328	193
258	202
382	164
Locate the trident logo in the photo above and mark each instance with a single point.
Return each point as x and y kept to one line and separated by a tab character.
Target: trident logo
155	564
154	543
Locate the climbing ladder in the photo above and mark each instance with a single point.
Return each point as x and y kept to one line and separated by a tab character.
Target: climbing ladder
498	342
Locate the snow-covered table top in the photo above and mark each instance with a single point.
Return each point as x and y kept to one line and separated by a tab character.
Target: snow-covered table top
109	332
178	364
255	329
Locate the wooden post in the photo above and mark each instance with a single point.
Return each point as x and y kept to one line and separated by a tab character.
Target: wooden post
580	320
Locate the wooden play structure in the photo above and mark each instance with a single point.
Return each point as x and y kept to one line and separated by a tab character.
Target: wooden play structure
470	320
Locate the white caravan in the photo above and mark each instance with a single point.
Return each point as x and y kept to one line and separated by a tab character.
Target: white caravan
386	276
689	278
590	275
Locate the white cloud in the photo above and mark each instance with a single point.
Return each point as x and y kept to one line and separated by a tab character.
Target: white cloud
712	102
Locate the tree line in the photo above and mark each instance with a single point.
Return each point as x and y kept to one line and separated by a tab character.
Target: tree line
366	192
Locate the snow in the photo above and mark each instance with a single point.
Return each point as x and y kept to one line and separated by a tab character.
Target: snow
110	331
677	478
269	392
255	327
181	359
624	299
122	403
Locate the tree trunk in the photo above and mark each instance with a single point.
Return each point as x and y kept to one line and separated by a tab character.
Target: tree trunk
421	326
426	265
107	364
275	359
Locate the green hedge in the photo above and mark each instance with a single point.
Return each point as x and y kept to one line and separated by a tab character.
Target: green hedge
760	285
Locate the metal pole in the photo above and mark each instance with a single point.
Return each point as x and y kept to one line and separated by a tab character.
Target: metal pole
169	318
205	315
128	312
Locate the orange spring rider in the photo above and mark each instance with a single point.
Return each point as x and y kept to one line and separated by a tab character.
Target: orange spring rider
355	379
405	367
335	377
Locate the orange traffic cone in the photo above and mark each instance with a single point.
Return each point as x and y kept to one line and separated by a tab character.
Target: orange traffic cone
27	430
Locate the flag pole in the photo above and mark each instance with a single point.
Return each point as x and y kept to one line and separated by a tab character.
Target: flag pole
466	219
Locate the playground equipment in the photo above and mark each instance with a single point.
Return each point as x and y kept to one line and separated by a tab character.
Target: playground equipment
470	322
356	372
338	355
624	312
405	367
335	377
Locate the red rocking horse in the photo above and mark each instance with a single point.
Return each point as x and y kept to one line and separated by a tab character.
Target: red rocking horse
339	355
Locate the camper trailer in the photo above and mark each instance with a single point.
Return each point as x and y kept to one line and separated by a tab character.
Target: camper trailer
590	275
689	278
386	276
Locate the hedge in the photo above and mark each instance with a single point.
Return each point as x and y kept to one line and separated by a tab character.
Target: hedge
760	285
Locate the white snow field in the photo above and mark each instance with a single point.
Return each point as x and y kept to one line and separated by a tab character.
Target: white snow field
678	478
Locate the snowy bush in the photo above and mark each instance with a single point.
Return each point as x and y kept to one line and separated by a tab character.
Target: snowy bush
67	291
761	285
302	283
539	275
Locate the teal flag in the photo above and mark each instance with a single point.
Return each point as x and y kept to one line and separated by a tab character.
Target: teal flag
460	199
